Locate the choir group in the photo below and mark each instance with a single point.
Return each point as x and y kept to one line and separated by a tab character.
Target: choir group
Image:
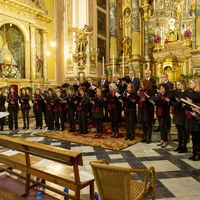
138	99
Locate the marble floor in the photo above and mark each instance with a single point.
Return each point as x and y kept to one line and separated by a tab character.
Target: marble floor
177	177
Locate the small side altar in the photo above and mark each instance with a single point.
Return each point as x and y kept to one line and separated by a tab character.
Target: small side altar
173	59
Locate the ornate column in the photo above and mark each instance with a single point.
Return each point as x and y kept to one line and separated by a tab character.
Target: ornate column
33	52
44	43
135	23
197	25
195	60
113	31
145	14
193	6
145	8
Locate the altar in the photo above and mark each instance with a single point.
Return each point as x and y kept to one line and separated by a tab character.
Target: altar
174	60
24	35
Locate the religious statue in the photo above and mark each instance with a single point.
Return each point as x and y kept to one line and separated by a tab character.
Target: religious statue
39	65
81	38
81	43
171	35
6	56
126	46
80	59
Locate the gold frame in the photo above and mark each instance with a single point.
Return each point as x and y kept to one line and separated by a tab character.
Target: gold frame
127	7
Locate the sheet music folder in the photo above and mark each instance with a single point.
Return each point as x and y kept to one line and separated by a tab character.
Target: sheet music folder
3	114
189	103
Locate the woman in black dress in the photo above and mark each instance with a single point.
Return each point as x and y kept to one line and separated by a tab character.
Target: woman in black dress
13	108
37	108
191	124
2	108
25	107
130	98
162	110
71	107
50	103
179	115
146	109
97	111
82	109
59	111
113	108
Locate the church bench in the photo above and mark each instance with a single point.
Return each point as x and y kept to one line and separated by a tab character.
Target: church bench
49	163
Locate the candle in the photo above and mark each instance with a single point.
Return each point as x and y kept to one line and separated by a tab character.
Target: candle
103	64
113	64
123	65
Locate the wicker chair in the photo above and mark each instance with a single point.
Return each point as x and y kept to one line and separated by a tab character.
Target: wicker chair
114	182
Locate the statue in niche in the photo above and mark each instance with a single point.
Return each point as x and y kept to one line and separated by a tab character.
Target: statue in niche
171	35
112	21
81	38
6	56
39	65
126	46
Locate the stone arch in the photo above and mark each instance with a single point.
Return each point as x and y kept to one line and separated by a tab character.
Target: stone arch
25	31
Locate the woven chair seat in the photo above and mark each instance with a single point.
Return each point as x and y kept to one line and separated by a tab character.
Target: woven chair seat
115	182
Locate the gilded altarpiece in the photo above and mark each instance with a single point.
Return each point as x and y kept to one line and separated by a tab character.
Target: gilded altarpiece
170	37
23	29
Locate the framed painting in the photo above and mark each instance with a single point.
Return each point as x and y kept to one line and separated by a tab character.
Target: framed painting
102	49
127	12
101	3
101	23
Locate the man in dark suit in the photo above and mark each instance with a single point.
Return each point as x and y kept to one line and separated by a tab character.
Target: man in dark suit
104	84
118	83
76	85
66	84
164	79
134	80
147	76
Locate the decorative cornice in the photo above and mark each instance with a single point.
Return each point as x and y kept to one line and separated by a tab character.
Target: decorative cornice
40	14
44	18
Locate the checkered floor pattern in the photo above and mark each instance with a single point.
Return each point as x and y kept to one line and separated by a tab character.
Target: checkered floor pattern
177	177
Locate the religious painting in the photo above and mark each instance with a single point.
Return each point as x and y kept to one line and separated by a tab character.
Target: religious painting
101	3
101	23
102	49
127	12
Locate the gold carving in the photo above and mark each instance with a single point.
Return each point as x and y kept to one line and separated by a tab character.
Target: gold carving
81	41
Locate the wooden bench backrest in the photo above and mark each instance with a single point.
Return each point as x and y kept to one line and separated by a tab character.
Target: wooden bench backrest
57	154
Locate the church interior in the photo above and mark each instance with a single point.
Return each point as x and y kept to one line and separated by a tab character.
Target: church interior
53	42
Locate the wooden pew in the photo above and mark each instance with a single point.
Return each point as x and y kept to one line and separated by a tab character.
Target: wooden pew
53	164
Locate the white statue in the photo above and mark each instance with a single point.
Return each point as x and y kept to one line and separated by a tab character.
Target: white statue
6	56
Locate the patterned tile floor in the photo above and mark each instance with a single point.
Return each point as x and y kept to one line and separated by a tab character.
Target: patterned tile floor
177	178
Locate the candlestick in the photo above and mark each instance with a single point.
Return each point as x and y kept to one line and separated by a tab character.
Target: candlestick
123	65
103	64
113	64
